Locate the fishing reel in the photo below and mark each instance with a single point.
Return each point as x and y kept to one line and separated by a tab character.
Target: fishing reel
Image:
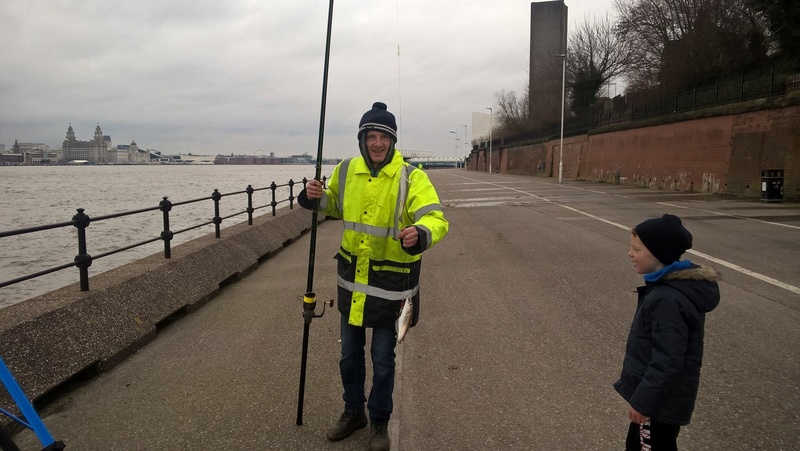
310	306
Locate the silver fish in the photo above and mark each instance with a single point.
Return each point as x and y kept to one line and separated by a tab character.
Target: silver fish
403	322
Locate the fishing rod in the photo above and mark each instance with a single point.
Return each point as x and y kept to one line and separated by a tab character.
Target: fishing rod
309	299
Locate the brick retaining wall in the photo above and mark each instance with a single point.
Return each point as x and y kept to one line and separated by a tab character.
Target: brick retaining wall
718	150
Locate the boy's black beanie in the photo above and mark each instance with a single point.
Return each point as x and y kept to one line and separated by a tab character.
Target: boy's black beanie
665	237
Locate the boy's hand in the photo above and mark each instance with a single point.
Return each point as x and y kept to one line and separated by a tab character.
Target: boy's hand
635	416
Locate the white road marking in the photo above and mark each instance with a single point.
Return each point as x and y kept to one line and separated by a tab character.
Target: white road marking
718	261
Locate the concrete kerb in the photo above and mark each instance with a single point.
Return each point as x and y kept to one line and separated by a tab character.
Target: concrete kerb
68	334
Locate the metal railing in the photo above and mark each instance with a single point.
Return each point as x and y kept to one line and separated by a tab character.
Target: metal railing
81	221
620	110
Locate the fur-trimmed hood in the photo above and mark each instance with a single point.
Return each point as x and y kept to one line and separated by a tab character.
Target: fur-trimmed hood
699	284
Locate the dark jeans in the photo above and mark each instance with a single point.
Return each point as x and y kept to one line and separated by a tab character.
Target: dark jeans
353	369
658	436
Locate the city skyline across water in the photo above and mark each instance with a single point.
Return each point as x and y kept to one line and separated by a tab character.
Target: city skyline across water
34	196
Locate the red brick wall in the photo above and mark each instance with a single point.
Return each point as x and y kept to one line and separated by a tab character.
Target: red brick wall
689	155
720	154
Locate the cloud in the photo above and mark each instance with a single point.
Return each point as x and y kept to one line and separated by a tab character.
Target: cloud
236	76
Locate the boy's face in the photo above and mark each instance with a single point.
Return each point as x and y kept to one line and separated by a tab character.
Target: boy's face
643	261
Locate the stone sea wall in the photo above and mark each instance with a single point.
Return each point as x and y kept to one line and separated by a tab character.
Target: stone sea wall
68	334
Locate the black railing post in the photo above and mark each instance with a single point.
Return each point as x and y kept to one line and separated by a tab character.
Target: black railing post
772	89
273	187
83	259
291	194
249	190
216	196
166	234
741	89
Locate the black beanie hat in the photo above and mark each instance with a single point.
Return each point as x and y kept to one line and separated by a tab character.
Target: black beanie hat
665	237
378	118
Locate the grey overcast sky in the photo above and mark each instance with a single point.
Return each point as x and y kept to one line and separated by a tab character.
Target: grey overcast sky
237	76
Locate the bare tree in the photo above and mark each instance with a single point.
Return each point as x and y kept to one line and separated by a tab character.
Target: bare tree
783	17
597	54
678	43
512	113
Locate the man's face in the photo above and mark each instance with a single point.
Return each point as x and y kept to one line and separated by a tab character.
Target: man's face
377	145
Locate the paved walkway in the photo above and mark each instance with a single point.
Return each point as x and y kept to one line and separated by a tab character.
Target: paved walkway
525	310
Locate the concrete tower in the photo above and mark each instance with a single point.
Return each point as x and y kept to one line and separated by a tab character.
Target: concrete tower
548	38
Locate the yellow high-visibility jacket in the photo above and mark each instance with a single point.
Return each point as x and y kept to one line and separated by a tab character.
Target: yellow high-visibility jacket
375	272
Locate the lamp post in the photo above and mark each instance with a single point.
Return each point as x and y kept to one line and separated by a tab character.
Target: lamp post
563	57
456	152
491	126
466	149
455	135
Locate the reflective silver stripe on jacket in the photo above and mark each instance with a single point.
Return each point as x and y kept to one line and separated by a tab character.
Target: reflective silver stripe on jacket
380	232
342	178
425	210
401	200
428	234
377	292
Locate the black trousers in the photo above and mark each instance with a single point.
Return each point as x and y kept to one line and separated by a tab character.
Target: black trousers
653	436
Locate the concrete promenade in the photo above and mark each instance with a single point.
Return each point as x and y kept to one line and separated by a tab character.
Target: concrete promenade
525	309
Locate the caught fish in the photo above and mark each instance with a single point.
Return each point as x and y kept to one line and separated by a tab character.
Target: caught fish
403	322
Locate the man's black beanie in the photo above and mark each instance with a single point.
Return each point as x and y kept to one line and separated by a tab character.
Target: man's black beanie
378	118
665	237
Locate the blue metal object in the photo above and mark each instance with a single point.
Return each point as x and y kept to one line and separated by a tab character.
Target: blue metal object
34	423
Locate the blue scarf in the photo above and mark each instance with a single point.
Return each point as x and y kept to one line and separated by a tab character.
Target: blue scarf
677	266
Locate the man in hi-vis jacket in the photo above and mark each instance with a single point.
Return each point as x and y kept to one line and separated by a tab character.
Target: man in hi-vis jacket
391	214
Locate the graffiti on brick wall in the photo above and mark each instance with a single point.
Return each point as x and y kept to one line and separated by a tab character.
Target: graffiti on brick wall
710	183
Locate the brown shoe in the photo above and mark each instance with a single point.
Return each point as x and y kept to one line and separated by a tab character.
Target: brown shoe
348	423
379	437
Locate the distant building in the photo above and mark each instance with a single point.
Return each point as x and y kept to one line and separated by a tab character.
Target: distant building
31	153
131	154
301	159
548	39
94	151
27	147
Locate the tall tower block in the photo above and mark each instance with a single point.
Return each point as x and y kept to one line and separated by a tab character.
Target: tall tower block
548	38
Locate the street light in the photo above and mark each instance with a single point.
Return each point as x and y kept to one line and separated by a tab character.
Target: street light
455	135
491	126
466	149
563	57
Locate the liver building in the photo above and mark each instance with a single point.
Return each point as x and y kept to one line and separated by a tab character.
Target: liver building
94	151
100	150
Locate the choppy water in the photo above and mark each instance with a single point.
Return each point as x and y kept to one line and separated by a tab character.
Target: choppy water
33	196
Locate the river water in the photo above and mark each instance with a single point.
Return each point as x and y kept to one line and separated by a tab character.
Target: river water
39	195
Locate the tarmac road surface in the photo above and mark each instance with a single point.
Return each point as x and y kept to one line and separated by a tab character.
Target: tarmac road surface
525	310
